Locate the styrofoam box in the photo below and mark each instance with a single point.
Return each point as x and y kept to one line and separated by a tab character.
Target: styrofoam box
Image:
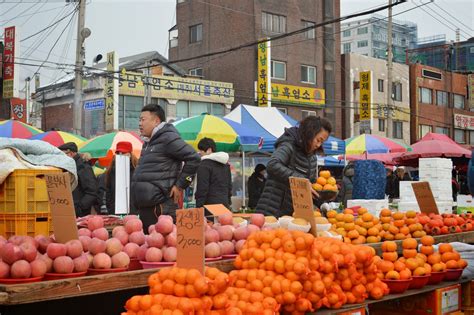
406	190
435	162
435	173
373	206
443	206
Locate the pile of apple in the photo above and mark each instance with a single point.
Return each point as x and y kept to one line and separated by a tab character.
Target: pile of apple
437	224
228	235
104	252
160	244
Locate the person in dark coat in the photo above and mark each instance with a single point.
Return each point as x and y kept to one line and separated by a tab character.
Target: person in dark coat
392	189
123	148
345	193
214	180
85	194
255	184
294	155
166	167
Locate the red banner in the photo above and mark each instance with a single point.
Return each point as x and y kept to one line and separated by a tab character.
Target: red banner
9	63
18	108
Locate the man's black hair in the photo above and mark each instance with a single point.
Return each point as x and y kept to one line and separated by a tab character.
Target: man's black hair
156	110
207	143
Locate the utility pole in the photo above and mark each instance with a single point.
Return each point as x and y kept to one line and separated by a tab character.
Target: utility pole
28	110
82	34
389	128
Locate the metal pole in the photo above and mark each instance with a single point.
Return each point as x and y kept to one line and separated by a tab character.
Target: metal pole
27	98
243	179
389	72
77	108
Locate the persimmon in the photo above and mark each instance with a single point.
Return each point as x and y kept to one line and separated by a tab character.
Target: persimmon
385	213
386	266
452	264
389	246
410	243
462	264
405	274
390	256
434	258
409	253
444	248
392	275
426	249
419	271
447	256
399	266
398	215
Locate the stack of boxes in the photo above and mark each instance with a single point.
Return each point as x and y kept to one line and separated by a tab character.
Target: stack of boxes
438	173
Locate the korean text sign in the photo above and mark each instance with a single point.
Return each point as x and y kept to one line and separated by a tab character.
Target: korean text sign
10	69
365	111
299	95
263	74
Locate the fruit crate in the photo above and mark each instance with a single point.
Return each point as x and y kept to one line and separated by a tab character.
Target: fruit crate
26	224
24	192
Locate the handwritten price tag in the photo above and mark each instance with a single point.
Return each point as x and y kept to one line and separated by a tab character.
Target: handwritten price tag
303	201
424	197
62	207
190	224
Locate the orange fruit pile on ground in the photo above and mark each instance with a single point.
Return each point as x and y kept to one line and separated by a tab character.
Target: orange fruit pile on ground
303	273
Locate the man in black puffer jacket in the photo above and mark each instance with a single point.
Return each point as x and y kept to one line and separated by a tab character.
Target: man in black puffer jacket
294	155
167	165
85	194
214	180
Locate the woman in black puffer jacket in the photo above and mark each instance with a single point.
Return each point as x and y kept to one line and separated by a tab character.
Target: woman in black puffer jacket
294	155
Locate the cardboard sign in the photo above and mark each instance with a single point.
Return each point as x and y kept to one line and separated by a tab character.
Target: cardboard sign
424	197
303	201
62	207
190	224
217	209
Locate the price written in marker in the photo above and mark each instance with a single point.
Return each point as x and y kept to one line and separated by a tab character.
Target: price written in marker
190	224
303	201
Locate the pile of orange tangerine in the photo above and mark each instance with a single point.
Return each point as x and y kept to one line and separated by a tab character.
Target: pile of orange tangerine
325	182
367	228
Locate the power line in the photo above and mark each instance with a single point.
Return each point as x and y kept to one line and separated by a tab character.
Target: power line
39	12
10	9
51	25
13	18
31	15
66	47
54	45
452	16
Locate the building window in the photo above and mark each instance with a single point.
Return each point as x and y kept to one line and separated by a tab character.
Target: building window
310	34
278	70
458	101
424	129
195	33
404	41
362	30
346	33
181	1
196	72
185	109
306	113
308	74
346	47
381	125
397	91
362	43
283	110
398	129
131	106
273	23
442	130
426	96
471	137
380	85
460	136
376	29
441	98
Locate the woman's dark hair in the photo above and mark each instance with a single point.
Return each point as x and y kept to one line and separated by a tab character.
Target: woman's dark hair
309	128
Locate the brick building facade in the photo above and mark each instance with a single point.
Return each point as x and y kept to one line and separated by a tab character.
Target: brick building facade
439	103
310	59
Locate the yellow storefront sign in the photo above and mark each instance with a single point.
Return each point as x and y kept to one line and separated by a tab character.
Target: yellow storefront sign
298	95
176	88
263	74
365	111
397	113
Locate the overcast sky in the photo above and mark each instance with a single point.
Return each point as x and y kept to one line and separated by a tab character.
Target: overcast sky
131	27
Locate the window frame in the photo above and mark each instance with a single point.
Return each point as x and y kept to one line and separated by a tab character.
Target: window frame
346	33
395	89
380	85
420	130
445	98
272	72
381	122
464	136
443	129
344	48
190	72
307	74
310	34
471	137
420	98
198	27
366	28
463	101
268	19
283	110
366	42
396	123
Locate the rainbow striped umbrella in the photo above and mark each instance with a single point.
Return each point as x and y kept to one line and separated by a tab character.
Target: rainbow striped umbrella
58	138
101	146
16	129
370	144
229	136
